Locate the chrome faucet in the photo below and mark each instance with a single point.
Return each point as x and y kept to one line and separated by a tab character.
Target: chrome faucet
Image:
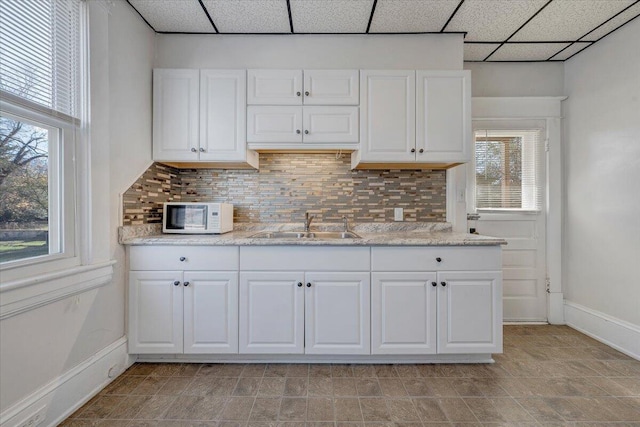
307	221
346	224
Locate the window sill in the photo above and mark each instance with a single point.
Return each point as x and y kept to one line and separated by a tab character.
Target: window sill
22	295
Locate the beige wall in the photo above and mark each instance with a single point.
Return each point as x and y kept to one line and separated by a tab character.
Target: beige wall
516	79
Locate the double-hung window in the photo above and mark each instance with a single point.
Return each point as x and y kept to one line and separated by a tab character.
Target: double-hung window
40	130
508	167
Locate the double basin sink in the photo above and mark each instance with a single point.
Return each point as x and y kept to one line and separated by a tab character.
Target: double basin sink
306	235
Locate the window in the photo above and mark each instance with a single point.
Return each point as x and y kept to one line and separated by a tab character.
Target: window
508	165
40	90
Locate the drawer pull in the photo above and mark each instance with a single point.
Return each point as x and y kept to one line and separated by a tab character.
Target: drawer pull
434	284
186	283
439	259
443	283
299	284
309	285
183	259
176	283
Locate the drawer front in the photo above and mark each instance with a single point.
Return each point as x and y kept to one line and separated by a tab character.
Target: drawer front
183	258
426	258
309	258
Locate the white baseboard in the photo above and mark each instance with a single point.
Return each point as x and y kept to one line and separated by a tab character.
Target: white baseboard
68	392
616	333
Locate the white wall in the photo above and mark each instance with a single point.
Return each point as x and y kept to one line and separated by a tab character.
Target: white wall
516	79
39	346
426	51
602	177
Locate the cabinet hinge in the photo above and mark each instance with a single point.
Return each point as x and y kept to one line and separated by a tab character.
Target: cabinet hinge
547	282
546	145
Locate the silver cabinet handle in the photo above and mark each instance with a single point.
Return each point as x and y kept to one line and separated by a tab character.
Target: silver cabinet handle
193	150
202	150
298	94
186	283
298	131
306	132
421	151
176	283
183	259
306	93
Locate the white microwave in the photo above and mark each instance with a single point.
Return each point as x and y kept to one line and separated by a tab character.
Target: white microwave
197	218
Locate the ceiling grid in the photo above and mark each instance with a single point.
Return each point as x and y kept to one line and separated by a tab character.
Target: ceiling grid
494	30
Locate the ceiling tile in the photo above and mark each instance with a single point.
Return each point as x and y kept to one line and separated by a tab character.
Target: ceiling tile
625	16
478	51
411	16
527	51
174	15
249	16
330	16
492	20
571	50
569	19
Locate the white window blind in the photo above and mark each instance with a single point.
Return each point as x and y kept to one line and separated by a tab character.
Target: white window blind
40	55
508	169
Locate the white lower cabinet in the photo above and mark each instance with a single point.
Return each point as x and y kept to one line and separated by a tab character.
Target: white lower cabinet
310	313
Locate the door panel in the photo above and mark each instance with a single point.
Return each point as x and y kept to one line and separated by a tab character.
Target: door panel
337	313
271	312
330	124
211	312
403	319
274	124
155	312
274	87
331	87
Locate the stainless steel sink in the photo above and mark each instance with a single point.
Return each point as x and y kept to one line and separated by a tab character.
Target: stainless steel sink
306	235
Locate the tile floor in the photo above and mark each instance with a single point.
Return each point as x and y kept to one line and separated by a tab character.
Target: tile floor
547	376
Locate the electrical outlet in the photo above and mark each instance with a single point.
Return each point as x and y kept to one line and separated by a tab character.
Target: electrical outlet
398	214
35	419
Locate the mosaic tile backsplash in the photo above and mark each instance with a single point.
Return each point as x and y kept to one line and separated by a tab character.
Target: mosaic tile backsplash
287	186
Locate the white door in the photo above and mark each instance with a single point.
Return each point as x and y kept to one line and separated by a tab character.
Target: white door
469	312
443	116
330	124
403	313
175	114
274	124
387	115
337	311
223	115
274	87
331	87
210	312
271	312
155	312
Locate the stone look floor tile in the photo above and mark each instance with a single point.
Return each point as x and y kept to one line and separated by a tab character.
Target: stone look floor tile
547	376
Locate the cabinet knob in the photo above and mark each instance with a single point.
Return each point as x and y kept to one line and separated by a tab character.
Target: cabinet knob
421	151
299	284
193	149
298	94
413	150
309	285
202	150
306	93
434	284
306	132
186	283
176	283
182	259
298	131
443	283
439	259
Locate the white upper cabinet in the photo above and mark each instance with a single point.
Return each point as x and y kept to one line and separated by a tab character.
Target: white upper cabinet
387	116
222	115
285	87
330	124
331	87
199	116
274	87
414	118
175	114
443	116
274	124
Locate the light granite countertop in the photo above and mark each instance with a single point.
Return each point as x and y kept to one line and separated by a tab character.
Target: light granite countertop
372	234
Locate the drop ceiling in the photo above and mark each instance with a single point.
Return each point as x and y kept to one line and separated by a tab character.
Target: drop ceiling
494	30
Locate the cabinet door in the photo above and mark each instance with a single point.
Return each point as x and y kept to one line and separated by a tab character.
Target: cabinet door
272	312
470	312
403	313
337	308
274	87
443	116
223	115
155	312
330	124
274	124
331	87
175	114
210	312
387	115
